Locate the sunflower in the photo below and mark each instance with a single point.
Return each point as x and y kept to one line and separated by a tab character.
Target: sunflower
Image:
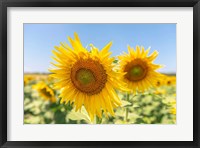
173	111
87	77
159	83
27	79
45	91
160	91
172	102
170	80
139	68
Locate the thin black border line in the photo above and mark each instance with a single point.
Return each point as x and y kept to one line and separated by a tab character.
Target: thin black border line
4	74
100	3
196	74
1	66
98	23
135	3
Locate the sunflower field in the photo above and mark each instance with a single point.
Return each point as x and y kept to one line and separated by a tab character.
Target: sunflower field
156	106
92	87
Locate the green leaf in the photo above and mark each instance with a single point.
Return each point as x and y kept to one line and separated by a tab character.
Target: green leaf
79	116
115	61
126	103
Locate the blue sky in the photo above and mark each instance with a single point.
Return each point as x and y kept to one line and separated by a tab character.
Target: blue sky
40	39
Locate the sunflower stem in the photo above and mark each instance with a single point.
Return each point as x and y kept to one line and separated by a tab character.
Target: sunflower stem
126	115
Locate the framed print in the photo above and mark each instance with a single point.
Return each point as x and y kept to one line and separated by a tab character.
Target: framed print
104	73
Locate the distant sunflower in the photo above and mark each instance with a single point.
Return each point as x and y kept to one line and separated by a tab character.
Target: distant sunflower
159	83
170	80
160	91
173	108
45	91
140	71
87	77
27	79
173	111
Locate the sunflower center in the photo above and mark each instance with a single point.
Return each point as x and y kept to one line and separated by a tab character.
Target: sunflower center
45	92
135	70
158	83
85	76
168	82
88	76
